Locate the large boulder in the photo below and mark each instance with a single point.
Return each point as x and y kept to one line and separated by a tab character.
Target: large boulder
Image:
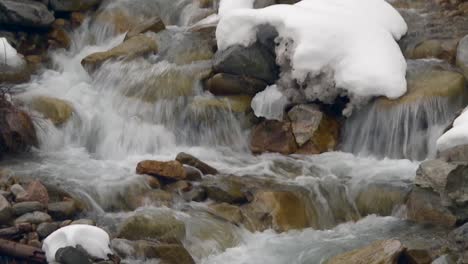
134	47
73	5
56	110
462	55
380	252
159	225
273	136
25	13
314	131
167	170
254	61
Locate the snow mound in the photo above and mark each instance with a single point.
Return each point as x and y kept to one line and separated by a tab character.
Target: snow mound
93	239
457	135
9	56
355	41
269	103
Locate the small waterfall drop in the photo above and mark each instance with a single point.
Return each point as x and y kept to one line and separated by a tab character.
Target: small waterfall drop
408	127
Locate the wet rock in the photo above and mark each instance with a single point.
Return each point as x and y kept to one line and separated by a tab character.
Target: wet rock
190	160
17	132
428	84
153	182
234	103
136	197
137	46
192	173
380	252
228	84
228	212
33	218
72	255
73	5
197	194
433	174
273	136
462	55
166	170
418	256
455	154
280	210
84	222
434	48
254	61
57	110
36	191
25	13
167	253
59	39
152	25
116	18
45	229
62	210
425	206
27	207
6	212
152	226
382	198
178	187
309	124
225	190
444	259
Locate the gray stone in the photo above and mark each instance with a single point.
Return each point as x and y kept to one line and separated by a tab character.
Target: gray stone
6	212
229	84
45	229
71	255
27	207
25	13
445	259
433	174
84	222
33	218
305	120
254	61
190	160
225	191
455	154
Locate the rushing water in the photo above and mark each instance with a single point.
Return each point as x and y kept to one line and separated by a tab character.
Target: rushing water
147	109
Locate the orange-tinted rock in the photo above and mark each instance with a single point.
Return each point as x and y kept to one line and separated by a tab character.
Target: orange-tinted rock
273	136
170	170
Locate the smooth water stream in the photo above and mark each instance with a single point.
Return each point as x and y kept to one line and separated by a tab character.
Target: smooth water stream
144	109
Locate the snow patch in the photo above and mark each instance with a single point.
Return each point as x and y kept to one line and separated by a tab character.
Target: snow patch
333	47
269	103
457	135
9	56
93	239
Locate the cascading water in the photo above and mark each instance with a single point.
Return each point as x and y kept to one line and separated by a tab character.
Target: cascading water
404	129
154	108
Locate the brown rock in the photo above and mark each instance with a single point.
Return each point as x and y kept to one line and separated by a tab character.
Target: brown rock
425	206
192	173
273	136
380	252
35	192
228	212
58	38
168	170
134	47
228	84
178	187
153	182
17	132
77	19
57	110
280	210
190	160
153	25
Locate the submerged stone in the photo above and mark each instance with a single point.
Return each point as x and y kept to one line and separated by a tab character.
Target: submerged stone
152	226
57	110
380	252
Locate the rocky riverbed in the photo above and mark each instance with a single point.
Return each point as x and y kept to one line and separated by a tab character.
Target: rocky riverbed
126	116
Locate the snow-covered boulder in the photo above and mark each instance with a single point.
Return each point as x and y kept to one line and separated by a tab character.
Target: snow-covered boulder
326	48
457	135
270	103
9	57
92	239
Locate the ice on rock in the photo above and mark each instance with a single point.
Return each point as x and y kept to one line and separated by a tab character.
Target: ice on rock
270	103
93	239
355	41
457	135
9	56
